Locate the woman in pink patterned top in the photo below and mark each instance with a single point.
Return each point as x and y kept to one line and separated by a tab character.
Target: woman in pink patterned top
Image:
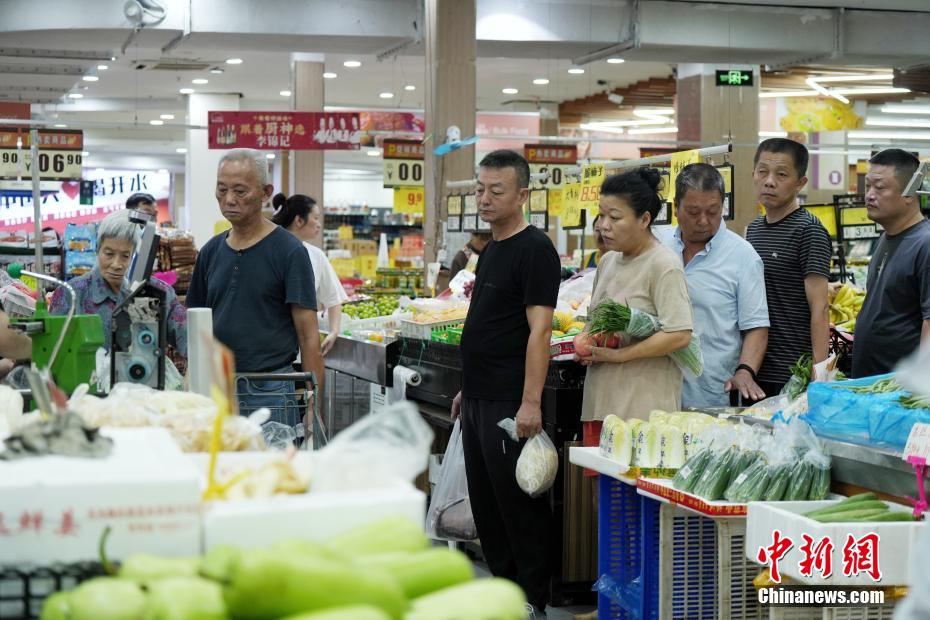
105	287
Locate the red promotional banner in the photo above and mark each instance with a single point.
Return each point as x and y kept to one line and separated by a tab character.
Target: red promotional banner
301	131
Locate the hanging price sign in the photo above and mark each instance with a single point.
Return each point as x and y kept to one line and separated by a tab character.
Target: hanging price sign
555	202
539	209
469	213
592	177
454	213
679	161
572	213
409	200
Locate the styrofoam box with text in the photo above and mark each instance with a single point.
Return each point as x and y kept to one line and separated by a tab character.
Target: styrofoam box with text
55	508
896	540
311	516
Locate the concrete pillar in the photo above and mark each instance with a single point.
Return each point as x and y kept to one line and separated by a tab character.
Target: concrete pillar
308	97
450	100
201	212
710	113
548	119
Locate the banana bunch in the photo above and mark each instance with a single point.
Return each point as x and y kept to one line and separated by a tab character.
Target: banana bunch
845	305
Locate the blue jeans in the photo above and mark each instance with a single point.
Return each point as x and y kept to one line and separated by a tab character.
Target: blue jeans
278	396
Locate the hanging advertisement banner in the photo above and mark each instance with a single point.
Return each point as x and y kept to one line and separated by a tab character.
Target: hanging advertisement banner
297	131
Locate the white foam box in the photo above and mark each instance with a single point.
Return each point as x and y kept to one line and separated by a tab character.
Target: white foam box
55	508
309	516
896	540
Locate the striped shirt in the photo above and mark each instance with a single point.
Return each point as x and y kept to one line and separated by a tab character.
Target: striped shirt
791	249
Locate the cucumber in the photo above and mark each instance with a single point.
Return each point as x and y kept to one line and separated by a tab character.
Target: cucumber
755	489
736	490
835	508
745	459
897	515
861	497
690	472
716	477
851	515
801	476
779	483
820	485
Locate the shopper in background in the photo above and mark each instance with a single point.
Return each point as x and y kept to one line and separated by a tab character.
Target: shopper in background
473	248
795	250
102	289
641	273
303	218
895	316
505	359
724	273
258	280
143	202
595	257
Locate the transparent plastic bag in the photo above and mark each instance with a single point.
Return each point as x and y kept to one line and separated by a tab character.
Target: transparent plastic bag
449	516
538	463
382	448
278	436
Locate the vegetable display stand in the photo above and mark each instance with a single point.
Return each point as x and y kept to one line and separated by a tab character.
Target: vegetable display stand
23	589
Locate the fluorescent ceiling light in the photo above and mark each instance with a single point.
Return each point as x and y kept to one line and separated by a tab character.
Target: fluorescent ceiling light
509	91
166	117
540	81
410	87
156	122
233	61
187	91
656	120
615	61
905	109
904	122
200	81
648	130
771	94
162	171
180	149
60	125
90	78
76	95
373	153
85	154
812	82
576	70
270	155
285	93
601	127
870	91
329	75
386	95
773	134
888	135
102	67
216	71
650	112
352	64
870	77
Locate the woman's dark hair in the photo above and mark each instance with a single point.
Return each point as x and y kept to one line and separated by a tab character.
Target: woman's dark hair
640	188
286	210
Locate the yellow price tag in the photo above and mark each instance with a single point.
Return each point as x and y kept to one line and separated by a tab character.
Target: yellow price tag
727	173
571	206
856	216
826	215
409	199
593	174
590	197
679	161
555	202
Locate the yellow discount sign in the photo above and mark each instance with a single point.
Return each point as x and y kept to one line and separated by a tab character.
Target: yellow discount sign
555	202
409	200
571	216
679	161
592	177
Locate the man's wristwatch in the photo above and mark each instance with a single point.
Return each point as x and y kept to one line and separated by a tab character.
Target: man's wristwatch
747	368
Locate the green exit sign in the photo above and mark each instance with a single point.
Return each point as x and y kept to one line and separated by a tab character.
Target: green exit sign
734	77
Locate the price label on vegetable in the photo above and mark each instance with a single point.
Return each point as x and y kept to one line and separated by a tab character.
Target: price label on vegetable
918	442
409	199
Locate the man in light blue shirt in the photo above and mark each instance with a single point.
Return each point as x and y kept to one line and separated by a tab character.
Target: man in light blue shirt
727	288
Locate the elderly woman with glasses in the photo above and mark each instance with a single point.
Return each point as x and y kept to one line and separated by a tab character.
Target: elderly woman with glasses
101	290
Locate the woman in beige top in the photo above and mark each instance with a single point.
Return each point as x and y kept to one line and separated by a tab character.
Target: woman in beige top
640	272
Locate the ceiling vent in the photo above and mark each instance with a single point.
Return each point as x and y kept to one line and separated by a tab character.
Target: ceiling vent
171	64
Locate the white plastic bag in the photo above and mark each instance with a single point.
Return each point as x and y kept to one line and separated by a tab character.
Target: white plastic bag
449	516
538	463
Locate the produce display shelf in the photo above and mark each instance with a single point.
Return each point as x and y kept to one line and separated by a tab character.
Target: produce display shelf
424	331
591	458
661	489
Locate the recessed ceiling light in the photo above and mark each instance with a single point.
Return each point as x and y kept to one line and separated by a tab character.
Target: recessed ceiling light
102	67
61	125
76	95
270	155
386	95
200	81
187	91
373	153
540	81
576	70
615	61
180	149
85	153
167	117
90	78
156	122
233	61
510	91
410	87
285	93
352	64
329	75
162	171
216	71
99	170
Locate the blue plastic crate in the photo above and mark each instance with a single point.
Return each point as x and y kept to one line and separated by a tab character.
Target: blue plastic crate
688	566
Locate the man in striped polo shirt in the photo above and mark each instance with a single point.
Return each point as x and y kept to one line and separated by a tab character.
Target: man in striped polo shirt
795	250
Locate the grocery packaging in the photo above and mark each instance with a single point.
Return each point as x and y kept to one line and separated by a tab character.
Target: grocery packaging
538	462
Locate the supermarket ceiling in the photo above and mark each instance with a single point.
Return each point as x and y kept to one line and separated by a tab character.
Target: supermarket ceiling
523	45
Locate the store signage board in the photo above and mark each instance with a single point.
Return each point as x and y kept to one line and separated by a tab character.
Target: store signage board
454	213
726	171
409	200
592	177
918	442
733	77
297	131
470	213
551	159
403	163
60	157
539	209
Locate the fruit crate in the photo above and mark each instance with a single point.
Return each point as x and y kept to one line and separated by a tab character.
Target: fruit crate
391	321
23	589
424	331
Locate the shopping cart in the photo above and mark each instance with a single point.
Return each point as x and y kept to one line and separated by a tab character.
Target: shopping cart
286	396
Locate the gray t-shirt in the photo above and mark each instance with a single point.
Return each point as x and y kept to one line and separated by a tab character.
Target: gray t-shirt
250	292
897	301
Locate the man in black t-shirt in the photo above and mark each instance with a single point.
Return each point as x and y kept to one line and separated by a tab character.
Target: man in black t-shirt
895	316
505	359
796	251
